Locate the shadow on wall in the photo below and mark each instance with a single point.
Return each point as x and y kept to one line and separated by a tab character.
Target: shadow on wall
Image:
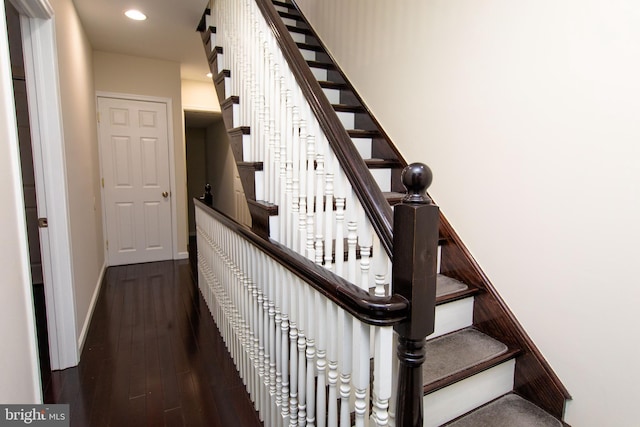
210	160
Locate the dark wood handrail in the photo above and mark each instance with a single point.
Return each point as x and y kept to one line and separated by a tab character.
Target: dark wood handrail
373	310
365	187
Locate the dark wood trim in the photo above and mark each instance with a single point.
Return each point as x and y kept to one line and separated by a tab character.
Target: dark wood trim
383	164
320	64
299	30
312	47
348	109
379	311
235	140
382	132
284	4
289	15
534	378
363	133
219	82
375	206
202	24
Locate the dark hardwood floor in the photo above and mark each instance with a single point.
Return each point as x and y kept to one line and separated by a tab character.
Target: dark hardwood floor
152	357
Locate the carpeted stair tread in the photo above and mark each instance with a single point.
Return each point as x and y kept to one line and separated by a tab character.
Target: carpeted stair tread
510	410
470	348
446	285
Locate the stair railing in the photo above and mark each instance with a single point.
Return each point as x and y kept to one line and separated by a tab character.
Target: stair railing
300	335
321	213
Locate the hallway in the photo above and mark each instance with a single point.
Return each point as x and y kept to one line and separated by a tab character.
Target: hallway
152	357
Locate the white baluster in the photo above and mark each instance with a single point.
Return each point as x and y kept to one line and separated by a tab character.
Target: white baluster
340	226
352	238
302	357
295	165
346	328
293	352
311	328
284	342
328	211
332	376
382	365
323	323
310	197
319	213
302	176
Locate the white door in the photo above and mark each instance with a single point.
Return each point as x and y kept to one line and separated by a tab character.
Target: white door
134	150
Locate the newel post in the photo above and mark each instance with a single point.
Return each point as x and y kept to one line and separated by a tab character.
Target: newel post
415	247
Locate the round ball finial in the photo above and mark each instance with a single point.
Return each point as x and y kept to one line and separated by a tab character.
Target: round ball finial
416	178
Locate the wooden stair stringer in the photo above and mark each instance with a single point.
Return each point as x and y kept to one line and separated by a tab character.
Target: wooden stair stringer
534	378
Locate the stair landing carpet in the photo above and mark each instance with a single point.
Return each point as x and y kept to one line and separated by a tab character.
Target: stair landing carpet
508	411
447	285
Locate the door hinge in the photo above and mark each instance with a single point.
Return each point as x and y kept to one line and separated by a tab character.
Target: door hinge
98	114
107	245
43	222
102	179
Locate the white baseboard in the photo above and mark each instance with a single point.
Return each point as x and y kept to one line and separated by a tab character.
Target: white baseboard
92	306
183	255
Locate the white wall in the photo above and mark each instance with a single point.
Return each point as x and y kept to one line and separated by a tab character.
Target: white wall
18	359
151	77
77	93
528	112
199	96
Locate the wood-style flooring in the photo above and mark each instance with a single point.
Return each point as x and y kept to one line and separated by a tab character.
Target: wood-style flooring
152	357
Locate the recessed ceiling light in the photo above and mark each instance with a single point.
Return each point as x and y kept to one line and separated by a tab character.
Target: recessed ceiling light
209	75
136	15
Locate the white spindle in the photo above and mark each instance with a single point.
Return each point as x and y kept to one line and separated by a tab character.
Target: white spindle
302	187
332	375
383	360
302	356
293	352
270	331
311	153
319	214
328	222
311	329
346	328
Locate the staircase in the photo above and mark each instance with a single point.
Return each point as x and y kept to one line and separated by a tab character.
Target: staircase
481	368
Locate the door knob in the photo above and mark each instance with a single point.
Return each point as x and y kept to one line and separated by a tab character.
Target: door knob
165	194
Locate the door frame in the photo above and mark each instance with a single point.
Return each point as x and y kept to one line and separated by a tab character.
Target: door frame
45	114
172	164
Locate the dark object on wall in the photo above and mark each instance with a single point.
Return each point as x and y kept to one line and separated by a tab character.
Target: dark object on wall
207	197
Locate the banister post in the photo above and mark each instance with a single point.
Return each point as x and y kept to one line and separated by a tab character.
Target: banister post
415	246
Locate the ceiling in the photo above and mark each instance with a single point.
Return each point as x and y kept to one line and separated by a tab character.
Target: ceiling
169	33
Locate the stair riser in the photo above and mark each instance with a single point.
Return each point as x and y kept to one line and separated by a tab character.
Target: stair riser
308	55
218	63
289	21
453	316
383	178
298	37
281	8
363	145
223	88
459	398
333	95
348	120
319	73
